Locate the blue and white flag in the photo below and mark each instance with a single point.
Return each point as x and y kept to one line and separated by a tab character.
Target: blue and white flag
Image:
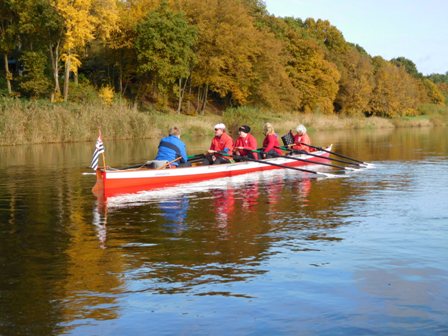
99	149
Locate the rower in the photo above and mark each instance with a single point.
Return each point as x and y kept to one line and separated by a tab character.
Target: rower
172	148
270	142
222	144
245	144
301	140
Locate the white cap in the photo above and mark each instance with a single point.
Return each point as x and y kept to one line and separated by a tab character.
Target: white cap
220	126
301	129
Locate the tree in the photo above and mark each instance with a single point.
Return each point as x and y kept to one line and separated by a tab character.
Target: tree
123	53
356	83
164	47
33	81
8	36
315	78
82	19
226	50
41	29
433	93
396	93
408	65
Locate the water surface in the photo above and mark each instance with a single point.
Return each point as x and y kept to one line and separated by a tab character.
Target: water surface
267	253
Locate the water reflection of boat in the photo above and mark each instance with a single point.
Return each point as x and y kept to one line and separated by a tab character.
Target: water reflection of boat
115	182
175	213
224	205
100	221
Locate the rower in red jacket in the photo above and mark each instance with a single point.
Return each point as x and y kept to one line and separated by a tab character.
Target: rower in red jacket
221	145
270	142
301	140
245	144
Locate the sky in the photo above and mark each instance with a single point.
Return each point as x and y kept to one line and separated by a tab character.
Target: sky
415	29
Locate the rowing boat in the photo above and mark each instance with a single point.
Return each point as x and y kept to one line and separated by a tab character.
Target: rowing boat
111	182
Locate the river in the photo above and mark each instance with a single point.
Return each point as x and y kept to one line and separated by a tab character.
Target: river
271	253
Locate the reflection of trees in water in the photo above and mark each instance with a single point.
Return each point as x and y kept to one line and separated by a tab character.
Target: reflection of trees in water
53	270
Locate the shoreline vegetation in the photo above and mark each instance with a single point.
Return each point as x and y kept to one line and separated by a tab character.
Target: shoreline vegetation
39	121
134	68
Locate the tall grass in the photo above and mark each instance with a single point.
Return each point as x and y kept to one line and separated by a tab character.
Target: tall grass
25	122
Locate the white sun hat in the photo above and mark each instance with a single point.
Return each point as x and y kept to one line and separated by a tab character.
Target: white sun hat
220	126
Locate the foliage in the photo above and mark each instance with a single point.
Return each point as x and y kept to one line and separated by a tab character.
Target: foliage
164	45
203	57
433	93
408	65
33	82
107	94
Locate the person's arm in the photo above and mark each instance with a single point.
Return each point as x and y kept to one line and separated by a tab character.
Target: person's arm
253	146
228	145
183	152
212	148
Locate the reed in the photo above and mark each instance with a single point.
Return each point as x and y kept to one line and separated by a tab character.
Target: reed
25	122
38	121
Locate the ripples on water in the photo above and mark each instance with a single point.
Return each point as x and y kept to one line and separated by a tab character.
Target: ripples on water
271	253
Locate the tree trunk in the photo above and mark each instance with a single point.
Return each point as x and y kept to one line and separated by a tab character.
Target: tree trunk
120	78
181	93
204	99
54	55
66	78
7	74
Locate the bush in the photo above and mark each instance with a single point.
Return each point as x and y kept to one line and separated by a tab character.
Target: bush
82	92
34	83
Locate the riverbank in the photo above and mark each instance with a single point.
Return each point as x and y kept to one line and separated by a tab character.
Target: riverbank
29	122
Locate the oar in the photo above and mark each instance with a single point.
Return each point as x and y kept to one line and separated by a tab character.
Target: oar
337	154
168	163
244	158
319	163
327	158
196	157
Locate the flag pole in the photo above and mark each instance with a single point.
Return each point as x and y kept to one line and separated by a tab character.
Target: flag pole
104	157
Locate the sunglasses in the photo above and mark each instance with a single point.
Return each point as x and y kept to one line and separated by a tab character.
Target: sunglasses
217	129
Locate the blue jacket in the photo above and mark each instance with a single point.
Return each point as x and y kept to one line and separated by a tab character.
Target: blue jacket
170	148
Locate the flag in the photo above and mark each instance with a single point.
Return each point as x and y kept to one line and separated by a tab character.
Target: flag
99	148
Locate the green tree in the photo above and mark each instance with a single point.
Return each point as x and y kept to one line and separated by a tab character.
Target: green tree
41	29
408	65
33	82
164	49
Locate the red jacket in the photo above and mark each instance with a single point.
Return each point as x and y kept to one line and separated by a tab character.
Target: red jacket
249	143
304	138
270	142
222	142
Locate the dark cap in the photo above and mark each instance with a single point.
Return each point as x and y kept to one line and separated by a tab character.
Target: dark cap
244	128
